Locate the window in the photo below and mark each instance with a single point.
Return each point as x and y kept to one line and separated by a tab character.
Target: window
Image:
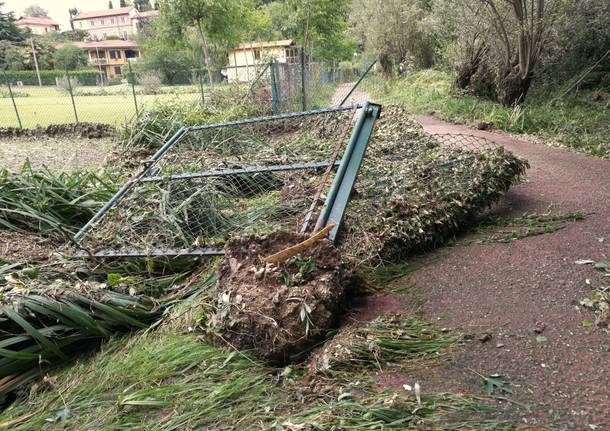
131	53
125	35
92	23
117	70
257	54
101	22
123	20
111	20
105	35
292	55
115	54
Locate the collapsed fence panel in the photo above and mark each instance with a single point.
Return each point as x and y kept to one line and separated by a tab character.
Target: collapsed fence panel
211	182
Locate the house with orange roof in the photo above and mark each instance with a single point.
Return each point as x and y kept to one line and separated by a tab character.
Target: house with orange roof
39	26
110	57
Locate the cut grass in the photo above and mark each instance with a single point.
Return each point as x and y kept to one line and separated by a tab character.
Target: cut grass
162	380
513	229
579	122
389	339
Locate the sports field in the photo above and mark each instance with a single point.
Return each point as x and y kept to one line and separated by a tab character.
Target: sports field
112	105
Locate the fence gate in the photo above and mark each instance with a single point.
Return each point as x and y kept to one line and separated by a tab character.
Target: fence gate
208	183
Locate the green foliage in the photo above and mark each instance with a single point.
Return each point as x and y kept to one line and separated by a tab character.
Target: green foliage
8	29
578	122
36	11
396	32
142	5
324	23
69	57
28	77
11	56
174	63
42	202
70	36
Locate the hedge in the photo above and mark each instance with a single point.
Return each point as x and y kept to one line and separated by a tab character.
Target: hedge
28	77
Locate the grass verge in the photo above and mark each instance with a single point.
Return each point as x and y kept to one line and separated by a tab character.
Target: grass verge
581	123
161	380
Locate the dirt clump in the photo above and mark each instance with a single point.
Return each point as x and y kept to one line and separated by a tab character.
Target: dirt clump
277	311
23	247
80	130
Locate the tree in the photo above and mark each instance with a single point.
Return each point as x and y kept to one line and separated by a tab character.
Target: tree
522	27
321	27
11	56
110	4
142	5
70	36
36	11
216	23
395	32
69	57
72	12
8	29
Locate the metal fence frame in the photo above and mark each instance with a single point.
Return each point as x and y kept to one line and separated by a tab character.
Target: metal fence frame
332	211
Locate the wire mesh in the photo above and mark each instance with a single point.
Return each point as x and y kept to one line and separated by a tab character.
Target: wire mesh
219	181
415	188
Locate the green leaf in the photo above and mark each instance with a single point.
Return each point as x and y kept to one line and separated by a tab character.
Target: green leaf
496	382
541	339
113	279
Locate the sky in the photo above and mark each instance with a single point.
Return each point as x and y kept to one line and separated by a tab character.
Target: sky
58	9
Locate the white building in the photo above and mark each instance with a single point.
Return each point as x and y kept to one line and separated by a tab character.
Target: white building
122	22
38	26
246	60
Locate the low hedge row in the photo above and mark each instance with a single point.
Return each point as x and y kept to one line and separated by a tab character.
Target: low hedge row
28	77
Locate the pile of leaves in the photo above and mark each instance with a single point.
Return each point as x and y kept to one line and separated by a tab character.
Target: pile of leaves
40	201
599	301
414	191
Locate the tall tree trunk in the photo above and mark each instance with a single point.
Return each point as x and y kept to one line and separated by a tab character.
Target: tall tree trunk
513	87
206	51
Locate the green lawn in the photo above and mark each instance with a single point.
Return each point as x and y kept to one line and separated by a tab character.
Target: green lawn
112	105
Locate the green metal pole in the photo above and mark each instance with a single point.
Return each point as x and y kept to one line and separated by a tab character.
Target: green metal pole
71	95
133	87
339	194
303	96
10	92
274	95
200	73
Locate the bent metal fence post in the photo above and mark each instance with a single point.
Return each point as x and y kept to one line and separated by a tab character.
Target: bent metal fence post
364	75
211	182
10	92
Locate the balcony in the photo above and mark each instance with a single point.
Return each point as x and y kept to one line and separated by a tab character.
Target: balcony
99	61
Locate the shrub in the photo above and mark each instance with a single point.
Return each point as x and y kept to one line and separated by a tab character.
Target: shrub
28	77
67	83
150	81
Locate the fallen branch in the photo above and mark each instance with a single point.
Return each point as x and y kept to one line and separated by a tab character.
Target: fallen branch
289	252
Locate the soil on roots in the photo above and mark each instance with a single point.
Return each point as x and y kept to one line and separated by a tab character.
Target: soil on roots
279	311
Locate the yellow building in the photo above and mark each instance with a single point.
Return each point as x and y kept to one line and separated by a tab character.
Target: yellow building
110	56
248	59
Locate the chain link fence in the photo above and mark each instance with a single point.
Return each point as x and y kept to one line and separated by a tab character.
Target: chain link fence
63	97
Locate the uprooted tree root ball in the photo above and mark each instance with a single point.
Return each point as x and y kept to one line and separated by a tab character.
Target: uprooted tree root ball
277	311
